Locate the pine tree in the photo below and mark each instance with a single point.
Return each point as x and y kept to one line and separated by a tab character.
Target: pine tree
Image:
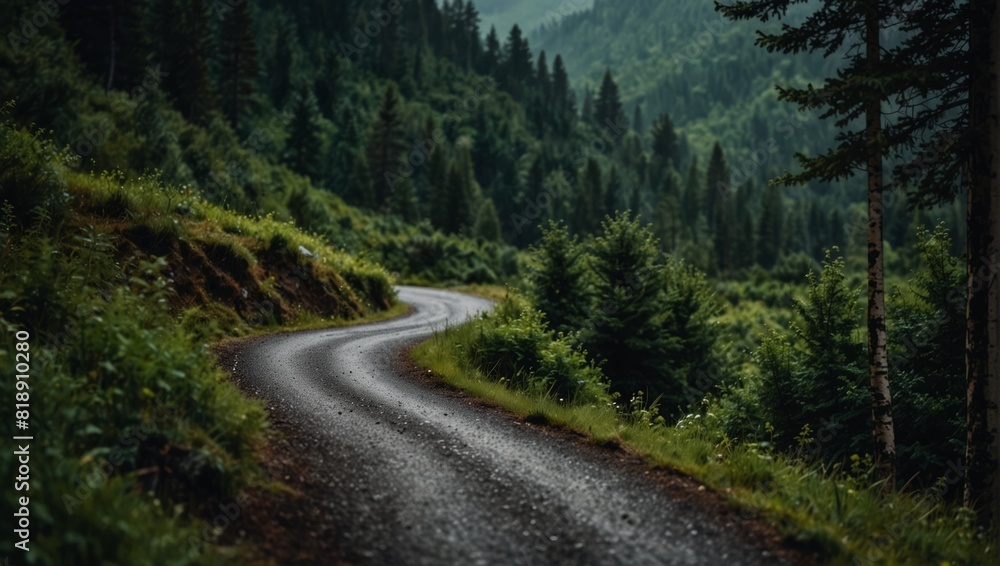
627	317
590	203
385	144
608	110
587	112
794	231
664	146
457	203
487	223
613	194
542	81
558	279
668	212
239	66
517	63
360	192
982	455
771	226
744	236
473	43
327	82
637	124
132	44
183	42
280	67
691	201
562	98
858	89
304	136
490	63
403	202
717	186
437	189
724	233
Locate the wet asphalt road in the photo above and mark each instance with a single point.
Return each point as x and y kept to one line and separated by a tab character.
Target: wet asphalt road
414	476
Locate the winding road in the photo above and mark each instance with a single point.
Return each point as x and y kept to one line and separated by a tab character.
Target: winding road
412	475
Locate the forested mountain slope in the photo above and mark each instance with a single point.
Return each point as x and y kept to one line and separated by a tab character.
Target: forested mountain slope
683	58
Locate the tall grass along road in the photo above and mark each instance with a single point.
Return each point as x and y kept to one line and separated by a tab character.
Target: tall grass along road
412	475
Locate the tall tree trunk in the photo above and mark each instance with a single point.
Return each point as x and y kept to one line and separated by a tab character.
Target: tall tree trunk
982	368
113	25
878	364
993	386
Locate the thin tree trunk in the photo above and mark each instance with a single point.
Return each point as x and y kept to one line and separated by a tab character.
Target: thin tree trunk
982	374
114	47
994	286
878	364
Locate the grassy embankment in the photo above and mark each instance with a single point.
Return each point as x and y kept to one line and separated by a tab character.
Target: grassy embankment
121	284
833	511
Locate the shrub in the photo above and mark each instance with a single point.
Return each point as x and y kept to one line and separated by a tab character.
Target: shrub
513	344
29	181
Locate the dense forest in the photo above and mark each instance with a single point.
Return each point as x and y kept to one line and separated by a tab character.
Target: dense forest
628	167
425	116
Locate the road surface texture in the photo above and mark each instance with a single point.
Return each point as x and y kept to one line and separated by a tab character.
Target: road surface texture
410	474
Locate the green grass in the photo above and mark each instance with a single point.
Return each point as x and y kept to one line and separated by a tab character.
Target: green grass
831	511
93	269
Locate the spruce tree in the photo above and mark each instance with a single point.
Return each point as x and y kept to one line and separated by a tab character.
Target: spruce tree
359	190
587	111
456	203
590	202
562	98
664	146
608	110
557	279
437	189
403	202
183	43
492	55
517	66
239	65
858	90
304	136
385	144
487	223
280	67
744	236
771	226
691	201
327	82
717	186
613	194
625	328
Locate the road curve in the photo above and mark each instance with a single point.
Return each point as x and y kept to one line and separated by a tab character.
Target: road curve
415	476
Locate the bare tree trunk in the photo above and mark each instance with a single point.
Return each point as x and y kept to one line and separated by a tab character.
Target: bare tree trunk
994	286
113	19
982	370
883	432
